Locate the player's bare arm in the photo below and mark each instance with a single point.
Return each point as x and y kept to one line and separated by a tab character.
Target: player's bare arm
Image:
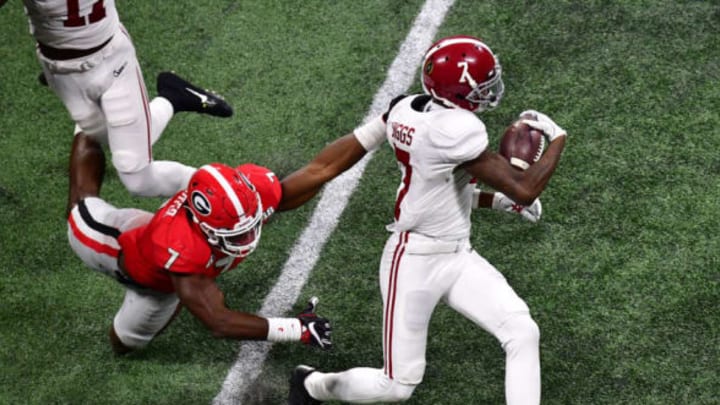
303	184
202	297
522	187
205	301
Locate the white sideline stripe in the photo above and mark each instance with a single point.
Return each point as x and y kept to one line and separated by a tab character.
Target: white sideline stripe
306	251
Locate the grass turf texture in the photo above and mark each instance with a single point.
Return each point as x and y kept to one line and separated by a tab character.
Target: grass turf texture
621	274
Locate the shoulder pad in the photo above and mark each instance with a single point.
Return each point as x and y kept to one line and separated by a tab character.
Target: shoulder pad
392	104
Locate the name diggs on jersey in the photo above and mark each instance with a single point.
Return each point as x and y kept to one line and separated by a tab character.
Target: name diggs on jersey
402	133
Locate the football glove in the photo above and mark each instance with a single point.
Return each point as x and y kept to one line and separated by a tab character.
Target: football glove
545	124
532	212
316	330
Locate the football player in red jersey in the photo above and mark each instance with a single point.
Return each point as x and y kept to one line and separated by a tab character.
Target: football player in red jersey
170	259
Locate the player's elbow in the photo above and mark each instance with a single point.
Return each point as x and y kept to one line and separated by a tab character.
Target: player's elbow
524	195
527	199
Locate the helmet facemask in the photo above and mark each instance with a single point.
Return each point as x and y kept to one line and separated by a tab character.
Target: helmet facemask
237	242
487	95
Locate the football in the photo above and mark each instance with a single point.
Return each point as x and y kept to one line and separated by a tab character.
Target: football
521	144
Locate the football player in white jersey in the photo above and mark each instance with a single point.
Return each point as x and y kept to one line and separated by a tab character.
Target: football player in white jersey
89	61
441	147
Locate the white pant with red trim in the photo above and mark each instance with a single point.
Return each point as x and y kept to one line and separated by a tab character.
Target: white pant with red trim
416	272
93	229
106	96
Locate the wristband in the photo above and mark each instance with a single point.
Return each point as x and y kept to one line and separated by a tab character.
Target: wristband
476	198
284	330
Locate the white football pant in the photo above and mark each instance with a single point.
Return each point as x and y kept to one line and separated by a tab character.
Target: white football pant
93	229
416	272
106	96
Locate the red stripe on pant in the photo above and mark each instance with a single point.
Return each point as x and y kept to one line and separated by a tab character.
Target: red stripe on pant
390	306
91	243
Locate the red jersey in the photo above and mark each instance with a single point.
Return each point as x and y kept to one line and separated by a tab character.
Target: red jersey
171	243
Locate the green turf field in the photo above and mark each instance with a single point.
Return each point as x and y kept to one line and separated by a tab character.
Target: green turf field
622	274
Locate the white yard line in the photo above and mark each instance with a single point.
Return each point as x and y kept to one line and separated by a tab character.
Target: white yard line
306	250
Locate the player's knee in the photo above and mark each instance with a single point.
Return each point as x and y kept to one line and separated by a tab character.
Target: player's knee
122	343
93	126
137	183
128	161
116	343
392	390
400	392
523	332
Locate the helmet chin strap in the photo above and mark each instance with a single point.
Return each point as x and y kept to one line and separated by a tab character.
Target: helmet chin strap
445	102
449	104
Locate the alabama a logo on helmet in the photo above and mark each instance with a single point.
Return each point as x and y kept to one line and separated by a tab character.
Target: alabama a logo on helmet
200	203
465	77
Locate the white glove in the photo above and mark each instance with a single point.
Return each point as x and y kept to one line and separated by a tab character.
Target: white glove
532	212
543	123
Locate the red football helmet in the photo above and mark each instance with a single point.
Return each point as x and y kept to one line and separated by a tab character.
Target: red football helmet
227	208
462	72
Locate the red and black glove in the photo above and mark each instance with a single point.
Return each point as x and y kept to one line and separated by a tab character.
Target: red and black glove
316	330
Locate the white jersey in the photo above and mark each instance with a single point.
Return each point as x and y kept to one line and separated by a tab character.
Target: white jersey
72	24
430	142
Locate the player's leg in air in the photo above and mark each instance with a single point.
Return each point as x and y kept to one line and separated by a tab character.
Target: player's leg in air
131	139
110	103
134	124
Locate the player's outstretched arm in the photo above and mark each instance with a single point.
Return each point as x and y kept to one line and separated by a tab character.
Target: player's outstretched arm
202	297
303	184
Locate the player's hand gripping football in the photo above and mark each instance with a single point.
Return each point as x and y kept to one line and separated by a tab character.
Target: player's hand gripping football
532	212
316	330
543	123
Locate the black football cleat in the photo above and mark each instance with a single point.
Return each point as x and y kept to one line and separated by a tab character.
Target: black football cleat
298	394
184	96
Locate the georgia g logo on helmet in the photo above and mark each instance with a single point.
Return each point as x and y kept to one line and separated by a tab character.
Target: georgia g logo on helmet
200	203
